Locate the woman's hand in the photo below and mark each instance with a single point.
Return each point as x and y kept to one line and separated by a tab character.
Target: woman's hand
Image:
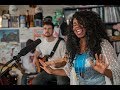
100	64
50	63
46	67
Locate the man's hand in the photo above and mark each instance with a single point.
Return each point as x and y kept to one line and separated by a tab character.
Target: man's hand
46	67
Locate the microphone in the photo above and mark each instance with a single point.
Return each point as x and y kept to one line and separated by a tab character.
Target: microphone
25	50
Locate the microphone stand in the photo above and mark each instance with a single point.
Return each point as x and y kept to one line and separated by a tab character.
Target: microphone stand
6	64
6	72
15	58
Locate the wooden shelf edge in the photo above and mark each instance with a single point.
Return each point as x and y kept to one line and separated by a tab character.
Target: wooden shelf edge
115	38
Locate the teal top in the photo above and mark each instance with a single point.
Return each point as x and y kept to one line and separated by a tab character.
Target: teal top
86	74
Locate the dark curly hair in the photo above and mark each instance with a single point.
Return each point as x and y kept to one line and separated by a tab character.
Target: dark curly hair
63	28
95	32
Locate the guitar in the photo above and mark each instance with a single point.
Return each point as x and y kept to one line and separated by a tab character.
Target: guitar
45	58
60	62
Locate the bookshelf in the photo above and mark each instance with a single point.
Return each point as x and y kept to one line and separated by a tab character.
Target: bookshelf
110	14
114	38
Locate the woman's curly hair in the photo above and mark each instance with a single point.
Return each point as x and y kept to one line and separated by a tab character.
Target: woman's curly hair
95	32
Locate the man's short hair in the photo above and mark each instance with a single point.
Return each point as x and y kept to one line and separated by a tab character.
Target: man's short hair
49	23
48	19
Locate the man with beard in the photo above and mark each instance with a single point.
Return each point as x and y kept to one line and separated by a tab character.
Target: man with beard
45	48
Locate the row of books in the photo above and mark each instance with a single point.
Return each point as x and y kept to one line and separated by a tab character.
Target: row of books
109	14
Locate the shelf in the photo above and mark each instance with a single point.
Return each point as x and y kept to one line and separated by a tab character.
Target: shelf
89	7
111	23
83	7
115	38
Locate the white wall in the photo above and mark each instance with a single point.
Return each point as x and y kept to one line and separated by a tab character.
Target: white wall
47	9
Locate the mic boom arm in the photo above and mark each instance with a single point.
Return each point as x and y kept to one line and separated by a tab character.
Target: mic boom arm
24	51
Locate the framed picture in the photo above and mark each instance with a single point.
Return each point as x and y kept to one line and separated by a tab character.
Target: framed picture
9	35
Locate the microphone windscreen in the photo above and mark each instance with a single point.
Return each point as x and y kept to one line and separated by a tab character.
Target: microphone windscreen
25	50
30	47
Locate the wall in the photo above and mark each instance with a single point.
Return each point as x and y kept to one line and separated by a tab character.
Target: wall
47	9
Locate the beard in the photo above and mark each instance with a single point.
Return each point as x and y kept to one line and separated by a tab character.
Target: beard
47	35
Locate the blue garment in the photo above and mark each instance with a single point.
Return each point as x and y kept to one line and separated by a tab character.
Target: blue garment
89	75
80	63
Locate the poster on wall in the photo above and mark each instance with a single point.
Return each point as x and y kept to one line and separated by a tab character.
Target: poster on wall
9	43
25	34
8	50
9	35
37	32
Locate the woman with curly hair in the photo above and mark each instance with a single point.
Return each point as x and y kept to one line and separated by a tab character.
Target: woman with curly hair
92	59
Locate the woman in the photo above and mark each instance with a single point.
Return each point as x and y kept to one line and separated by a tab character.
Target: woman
92	60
